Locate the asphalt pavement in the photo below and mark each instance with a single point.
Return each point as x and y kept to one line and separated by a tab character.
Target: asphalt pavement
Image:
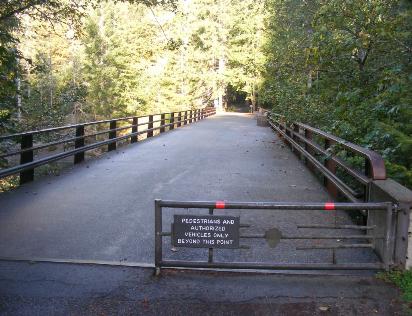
66	289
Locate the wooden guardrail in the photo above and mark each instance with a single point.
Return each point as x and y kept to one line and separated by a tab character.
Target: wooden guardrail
75	136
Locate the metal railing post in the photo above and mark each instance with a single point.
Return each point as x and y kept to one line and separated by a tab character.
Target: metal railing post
296	139
287	131
112	135
309	136
78	158
150	126
133	139
331	165
162	123
25	157
368	173
179	119
172	120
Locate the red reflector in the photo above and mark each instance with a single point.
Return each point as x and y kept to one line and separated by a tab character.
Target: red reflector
329	206
220	204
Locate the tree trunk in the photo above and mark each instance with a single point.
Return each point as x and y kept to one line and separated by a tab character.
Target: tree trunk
18	97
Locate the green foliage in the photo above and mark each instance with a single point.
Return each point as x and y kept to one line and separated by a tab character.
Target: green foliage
8	70
70	61
402	279
9	183
346	68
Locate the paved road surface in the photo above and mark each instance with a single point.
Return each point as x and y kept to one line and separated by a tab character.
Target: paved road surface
47	289
103	209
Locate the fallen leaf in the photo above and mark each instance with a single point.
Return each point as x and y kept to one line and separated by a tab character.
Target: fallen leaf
324	308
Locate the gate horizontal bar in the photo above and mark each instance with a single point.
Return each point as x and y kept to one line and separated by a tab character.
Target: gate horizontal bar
274	205
265	266
332	237
346	246
337	227
312	237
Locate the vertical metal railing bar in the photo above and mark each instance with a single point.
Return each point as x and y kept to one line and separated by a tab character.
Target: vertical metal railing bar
158	236
26	157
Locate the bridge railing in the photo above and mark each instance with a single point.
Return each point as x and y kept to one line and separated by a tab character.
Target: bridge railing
77	139
347	168
358	174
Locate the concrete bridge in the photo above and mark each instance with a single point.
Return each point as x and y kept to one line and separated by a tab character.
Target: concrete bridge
102	211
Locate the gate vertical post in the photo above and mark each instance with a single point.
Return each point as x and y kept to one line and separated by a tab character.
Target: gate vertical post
158	236
331	165
133	139
388	253
26	157
210	252
185	121
401	226
191	117
172	120
162	123
78	143
150	126
112	135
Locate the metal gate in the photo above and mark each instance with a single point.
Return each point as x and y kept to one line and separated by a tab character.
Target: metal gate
217	228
